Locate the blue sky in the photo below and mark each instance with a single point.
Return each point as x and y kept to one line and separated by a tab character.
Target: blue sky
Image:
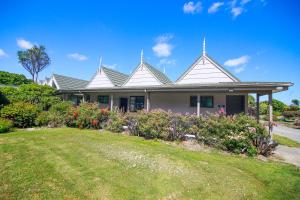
257	40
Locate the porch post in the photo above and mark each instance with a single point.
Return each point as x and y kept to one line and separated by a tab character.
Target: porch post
257	107
83	98
270	112
198	105
111	102
148	101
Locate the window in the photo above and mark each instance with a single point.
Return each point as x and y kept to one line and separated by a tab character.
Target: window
193	101
87	98
136	103
207	101
103	100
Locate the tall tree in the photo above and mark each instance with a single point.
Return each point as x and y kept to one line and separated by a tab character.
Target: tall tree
34	60
296	102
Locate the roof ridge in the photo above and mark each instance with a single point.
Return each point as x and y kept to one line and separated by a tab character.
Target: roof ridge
113	70
164	76
69	77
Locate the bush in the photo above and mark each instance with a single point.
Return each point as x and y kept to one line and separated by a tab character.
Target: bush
41	95
5	125
8	78
87	115
238	134
291	114
22	114
297	122
292	108
115	121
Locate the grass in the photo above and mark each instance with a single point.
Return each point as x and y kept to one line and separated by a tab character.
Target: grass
84	164
285	141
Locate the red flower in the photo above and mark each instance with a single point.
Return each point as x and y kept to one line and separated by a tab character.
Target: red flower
95	122
75	114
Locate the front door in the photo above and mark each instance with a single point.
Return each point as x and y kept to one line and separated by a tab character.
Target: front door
235	104
123	104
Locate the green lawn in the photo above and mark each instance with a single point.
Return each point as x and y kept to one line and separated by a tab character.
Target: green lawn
285	141
85	164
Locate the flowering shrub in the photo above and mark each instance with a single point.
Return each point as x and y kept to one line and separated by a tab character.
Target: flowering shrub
87	115
115	121
238	134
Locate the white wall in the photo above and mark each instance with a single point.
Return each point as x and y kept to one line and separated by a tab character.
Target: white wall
100	80
180	102
176	102
142	77
204	73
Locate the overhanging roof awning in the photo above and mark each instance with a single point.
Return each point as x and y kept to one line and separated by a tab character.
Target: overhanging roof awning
247	87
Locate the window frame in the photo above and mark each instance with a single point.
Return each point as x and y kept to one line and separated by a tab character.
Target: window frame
191	98
134	104
100	103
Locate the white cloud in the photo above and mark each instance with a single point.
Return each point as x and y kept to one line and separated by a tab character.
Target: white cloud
236	11
237	61
113	66
163	48
215	7
192	8
243	2
2	53
24	44
77	56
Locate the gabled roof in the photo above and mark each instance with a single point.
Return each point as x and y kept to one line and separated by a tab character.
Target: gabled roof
68	83
117	78
229	74
161	77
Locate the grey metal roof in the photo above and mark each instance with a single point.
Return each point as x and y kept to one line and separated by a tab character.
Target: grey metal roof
261	88
216	63
69	83
158	74
117	78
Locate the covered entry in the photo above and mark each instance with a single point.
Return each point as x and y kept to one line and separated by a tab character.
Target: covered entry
235	104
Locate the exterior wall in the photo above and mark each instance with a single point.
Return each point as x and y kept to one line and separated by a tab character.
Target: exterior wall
142	77
204	73
180	102
100	80
176	102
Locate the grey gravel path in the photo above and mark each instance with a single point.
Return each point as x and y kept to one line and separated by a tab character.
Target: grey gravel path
291	133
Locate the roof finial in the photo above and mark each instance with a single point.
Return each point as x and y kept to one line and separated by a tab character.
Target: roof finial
100	64
142	56
203	47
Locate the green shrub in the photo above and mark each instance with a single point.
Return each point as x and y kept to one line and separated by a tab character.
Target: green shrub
5	125
87	115
8	78
115	121
41	95
50	119
236	134
22	114
292	108
291	114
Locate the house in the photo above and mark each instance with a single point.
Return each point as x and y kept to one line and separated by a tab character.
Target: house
204	87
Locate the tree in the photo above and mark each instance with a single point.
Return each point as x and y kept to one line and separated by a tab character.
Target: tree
296	102
34	60
251	101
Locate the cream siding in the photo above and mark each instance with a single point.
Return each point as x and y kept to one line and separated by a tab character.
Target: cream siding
100	80
142	77
206	72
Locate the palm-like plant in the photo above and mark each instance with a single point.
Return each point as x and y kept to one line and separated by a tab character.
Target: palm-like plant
34	60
